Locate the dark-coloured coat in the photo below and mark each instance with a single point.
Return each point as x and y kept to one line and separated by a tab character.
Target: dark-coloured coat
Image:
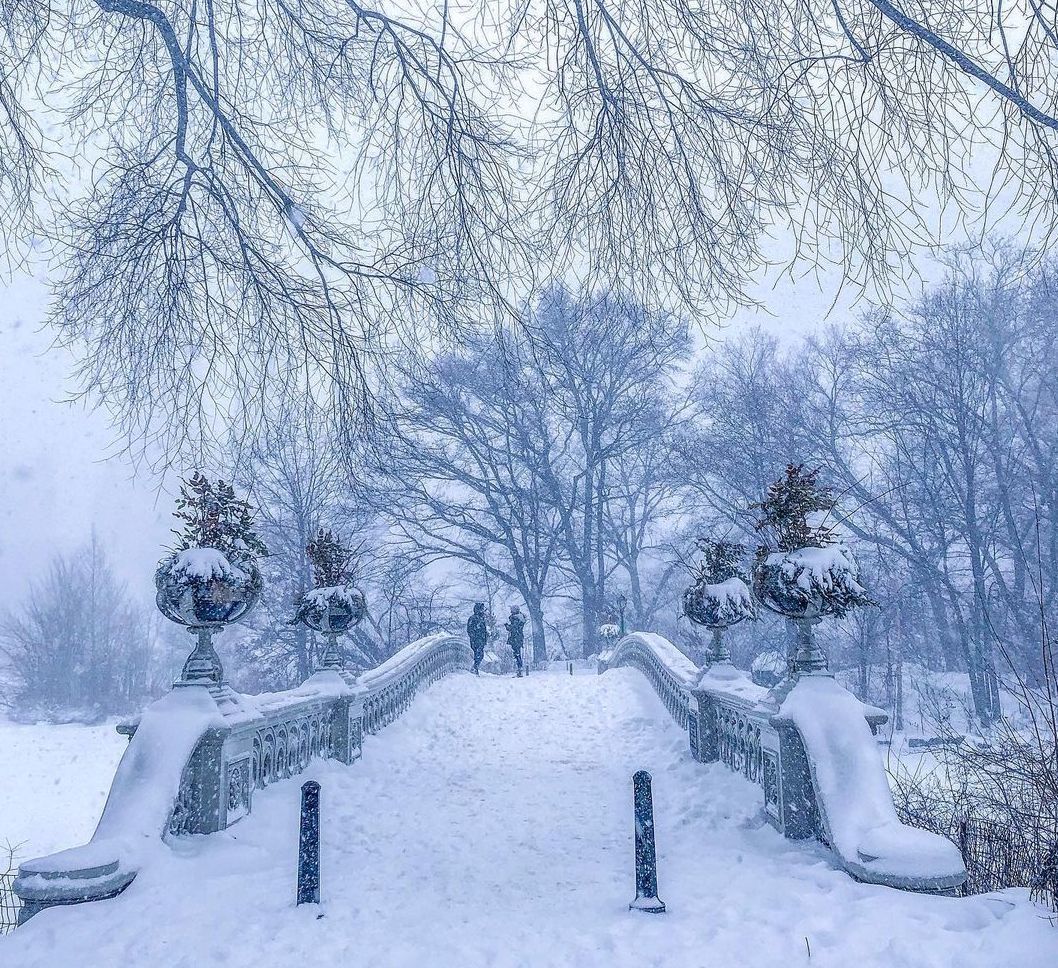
516	633
477	632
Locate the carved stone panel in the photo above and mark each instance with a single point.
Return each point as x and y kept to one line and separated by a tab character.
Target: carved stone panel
239	790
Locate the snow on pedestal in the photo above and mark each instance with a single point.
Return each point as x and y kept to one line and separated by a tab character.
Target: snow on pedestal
854	801
137	811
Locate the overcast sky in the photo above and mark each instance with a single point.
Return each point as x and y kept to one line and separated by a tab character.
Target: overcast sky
55	482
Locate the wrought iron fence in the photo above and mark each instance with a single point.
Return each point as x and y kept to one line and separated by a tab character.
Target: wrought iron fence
1018	852
10	905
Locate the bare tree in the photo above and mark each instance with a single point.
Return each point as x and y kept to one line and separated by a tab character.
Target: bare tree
644	514
605	362
80	645
272	190
295	471
459	471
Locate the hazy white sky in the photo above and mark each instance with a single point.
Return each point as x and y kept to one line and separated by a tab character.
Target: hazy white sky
55	482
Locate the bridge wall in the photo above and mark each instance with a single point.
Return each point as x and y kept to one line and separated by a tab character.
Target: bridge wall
809	745
197	756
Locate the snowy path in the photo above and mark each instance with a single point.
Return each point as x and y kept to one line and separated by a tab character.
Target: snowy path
491	825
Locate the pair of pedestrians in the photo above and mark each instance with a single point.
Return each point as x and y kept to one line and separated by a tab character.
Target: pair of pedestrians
478	633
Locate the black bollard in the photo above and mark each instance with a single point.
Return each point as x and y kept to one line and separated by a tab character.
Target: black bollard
646	860
309	845
571	668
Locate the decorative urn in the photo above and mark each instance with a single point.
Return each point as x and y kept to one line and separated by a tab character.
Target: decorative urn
200	587
333	610
719	597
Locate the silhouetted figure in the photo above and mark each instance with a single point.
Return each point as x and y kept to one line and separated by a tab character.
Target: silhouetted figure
478	633
516	636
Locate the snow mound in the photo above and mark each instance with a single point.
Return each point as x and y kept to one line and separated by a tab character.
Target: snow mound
203	564
137	811
724	678
854	800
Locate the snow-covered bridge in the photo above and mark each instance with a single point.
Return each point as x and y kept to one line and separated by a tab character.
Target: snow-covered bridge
490	824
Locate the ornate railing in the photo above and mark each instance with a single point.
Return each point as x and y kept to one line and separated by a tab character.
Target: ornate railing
391	687
809	746
748	744
667	669
194	762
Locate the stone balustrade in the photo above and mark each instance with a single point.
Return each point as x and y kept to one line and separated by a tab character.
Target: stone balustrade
670	672
809	745
389	689
195	760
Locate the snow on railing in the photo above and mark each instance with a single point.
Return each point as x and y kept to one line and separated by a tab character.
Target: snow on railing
808	744
391	687
193	763
669	671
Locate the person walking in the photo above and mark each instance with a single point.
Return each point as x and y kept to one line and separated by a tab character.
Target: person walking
478	633
516	635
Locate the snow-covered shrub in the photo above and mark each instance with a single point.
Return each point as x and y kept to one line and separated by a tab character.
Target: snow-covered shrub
720	596
211	577
803	570
810	582
334	605
215	518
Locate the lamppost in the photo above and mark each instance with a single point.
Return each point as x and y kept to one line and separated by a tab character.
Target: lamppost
621	602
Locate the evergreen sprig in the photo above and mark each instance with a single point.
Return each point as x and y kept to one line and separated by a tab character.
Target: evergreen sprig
214	517
720	560
332	562
787	507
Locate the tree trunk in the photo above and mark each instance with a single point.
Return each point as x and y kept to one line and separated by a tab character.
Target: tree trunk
590	625
536	624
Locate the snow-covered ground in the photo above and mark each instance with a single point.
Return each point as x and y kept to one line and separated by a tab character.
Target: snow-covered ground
491	825
53	783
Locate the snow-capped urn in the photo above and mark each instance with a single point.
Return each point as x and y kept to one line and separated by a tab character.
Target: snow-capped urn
334	606
201	587
609	632
720	596
804	571
211	578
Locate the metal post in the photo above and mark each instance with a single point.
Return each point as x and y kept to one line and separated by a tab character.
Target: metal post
332	655
309	845
646	860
